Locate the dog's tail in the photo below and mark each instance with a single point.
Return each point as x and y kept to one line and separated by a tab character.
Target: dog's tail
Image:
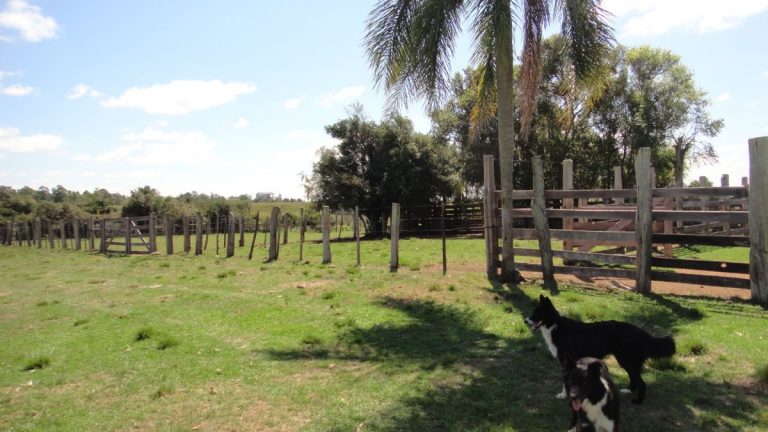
658	347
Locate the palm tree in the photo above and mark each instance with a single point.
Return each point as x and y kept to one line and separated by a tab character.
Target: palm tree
410	43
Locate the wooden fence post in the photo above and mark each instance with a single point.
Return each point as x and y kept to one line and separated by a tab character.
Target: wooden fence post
286	221
567	202
63	234
758	218
76	233
442	237
274	228
231	236
302	227
644	220
198	234
357	234
489	218
152	233
255	232
394	233
541	222
241	226
185	232
326	225
127	228
38	233
168	235
218	225
617	183
51	234
103	236
91	234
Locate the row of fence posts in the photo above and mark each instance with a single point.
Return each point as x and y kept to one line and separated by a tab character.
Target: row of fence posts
129	230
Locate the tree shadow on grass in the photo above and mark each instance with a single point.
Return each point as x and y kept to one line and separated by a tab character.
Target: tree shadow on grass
509	383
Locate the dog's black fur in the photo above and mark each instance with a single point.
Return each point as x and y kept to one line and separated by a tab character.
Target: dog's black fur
631	345
591	391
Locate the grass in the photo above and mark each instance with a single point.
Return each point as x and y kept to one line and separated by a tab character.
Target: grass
166	343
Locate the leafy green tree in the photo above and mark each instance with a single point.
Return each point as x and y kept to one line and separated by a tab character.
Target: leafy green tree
375	165
144	201
410	43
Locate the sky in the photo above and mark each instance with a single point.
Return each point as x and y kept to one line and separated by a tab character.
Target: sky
232	97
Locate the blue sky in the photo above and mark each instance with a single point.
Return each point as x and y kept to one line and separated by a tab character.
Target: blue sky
232	97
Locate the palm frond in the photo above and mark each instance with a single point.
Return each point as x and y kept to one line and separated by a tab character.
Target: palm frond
588	33
535	20
410	44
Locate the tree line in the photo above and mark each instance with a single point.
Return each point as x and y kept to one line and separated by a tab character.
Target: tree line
638	97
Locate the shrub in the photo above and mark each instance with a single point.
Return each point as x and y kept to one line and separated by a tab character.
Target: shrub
37	363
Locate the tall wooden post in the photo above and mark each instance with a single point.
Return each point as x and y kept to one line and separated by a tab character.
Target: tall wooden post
644	220
127	229
152	233
617	183
198	234
218	226
185	232
489	218
568	202
326	225
758	218
63	234
91	234
51	234
539	209
286	222
168	235
230	235
38	233
274	227
28	233
76	233
302	227
103	236
241	223
394	233
255	232
442	237
357	234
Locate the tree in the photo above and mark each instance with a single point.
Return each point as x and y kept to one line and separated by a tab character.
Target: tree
410	42
144	201
376	164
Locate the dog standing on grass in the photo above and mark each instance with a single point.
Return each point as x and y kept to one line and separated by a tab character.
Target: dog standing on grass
631	345
591	391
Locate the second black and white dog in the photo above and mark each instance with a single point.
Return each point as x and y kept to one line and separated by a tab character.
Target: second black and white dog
567	338
591	391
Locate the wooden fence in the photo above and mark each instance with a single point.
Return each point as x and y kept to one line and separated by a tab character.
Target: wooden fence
720	216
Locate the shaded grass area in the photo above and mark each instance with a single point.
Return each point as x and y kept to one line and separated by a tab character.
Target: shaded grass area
301	346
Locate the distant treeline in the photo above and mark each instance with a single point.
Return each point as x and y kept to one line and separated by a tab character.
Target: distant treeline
60	203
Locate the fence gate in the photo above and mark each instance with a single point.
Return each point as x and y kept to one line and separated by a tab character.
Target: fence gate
125	235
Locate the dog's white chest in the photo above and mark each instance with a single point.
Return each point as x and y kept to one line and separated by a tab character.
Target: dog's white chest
547	333
595	412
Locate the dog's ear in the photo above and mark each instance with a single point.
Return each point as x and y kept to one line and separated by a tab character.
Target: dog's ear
541	297
594	370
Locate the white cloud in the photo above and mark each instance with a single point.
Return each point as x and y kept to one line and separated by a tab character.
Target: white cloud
341	97
28	20
655	17
156	147
180	97
293	103
242	122
81	90
4	74
723	97
18	90
11	140
765	74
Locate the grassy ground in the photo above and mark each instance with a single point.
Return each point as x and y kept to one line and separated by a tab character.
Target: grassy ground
204	343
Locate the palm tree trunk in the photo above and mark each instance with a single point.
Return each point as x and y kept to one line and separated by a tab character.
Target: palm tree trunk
506	124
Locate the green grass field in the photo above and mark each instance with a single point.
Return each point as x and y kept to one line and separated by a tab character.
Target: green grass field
96	343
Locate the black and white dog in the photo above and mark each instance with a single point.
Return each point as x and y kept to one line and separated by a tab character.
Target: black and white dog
592	392
631	345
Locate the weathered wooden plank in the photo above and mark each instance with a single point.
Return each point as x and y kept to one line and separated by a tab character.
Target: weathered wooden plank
326	226
643	220
186	233
539	208
394	231
568	202
710	239
604	236
698	279
582	271
601	258
758	218
734	191
715	266
274	228
256	231
198	234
